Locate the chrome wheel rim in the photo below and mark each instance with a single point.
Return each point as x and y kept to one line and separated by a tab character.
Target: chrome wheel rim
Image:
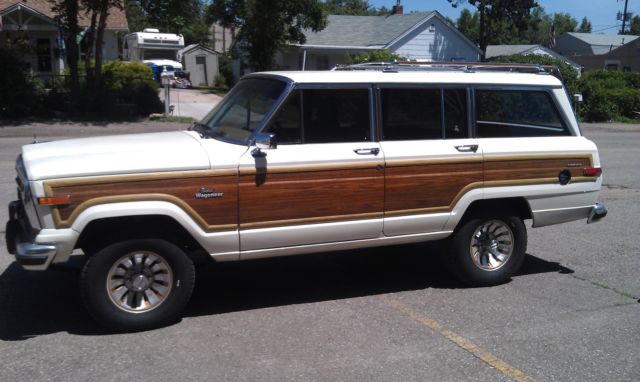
139	281
492	245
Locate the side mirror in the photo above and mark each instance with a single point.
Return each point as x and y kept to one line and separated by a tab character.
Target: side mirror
264	141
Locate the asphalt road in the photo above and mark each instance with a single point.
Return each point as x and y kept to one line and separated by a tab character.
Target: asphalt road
572	314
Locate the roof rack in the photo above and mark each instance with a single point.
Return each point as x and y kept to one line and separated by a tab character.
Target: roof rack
398	66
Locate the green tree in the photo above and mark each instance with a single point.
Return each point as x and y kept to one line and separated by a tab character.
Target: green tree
136	18
493	14
67	16
469	25
99	11
268	25
585	26
353	7
171	16
634	26
563	23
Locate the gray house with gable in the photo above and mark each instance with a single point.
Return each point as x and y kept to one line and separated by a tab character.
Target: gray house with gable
418	36
574	44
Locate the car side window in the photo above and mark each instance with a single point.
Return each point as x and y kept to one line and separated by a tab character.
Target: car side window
456	122
415	114
287	126
323	116
336	115
517	113
409	114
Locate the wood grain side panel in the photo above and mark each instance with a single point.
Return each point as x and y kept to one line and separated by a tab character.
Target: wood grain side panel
534	168
270	198
213	212
428	186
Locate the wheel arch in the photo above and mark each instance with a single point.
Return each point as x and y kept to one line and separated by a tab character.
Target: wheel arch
100	232
518	206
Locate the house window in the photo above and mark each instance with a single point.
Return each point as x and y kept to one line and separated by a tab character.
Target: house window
611	67
43	52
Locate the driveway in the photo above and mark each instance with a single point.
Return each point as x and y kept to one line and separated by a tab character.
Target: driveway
191	103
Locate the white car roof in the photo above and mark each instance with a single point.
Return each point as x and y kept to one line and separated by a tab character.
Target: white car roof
418	77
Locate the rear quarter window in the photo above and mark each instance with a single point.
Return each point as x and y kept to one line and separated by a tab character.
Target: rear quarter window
517	113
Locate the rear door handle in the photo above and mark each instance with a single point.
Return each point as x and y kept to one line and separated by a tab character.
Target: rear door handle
467	148
372	151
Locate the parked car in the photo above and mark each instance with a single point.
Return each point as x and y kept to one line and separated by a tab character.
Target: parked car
302	162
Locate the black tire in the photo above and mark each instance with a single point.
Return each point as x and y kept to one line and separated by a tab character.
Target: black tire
479	270
177	279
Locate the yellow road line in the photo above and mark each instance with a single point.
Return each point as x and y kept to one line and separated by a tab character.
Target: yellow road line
460	341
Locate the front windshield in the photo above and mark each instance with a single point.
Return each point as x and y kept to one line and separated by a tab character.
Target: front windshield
243	109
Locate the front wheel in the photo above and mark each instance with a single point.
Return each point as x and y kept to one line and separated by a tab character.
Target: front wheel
488	250
137	284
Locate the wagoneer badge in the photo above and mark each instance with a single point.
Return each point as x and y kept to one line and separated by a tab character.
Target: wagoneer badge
208	193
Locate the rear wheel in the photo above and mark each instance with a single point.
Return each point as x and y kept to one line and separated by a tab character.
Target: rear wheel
488	250
137	284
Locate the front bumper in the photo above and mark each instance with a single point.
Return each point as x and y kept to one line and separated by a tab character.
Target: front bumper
20	240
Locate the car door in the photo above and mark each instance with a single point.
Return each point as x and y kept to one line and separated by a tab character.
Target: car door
324	182
431	160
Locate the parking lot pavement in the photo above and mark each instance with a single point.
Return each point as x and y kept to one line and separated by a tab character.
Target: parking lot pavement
571	314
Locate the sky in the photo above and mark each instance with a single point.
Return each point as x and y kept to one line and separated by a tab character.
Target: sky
601	13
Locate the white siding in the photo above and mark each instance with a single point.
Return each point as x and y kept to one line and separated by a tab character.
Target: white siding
197	76
435	41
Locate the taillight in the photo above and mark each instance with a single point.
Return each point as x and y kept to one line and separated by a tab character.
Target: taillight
593	171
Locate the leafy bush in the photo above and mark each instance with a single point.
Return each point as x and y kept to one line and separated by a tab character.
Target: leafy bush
568	73
376	56
18	94
610	95
130	83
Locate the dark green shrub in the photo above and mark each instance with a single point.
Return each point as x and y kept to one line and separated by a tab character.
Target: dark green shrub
18	94
129	83
376	56
225	67
610	95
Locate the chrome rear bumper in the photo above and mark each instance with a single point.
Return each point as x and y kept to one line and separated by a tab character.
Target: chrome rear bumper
597	212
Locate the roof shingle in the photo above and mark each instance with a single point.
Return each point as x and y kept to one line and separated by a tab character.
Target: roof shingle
364	30
116	20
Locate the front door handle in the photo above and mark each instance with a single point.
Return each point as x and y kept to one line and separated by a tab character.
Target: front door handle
467	148
372	151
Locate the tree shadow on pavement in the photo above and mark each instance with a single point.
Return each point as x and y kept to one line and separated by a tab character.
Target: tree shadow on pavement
40	303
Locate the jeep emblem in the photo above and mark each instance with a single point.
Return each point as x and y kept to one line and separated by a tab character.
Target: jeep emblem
208	193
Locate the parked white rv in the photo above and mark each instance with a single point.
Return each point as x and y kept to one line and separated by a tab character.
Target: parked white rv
151	46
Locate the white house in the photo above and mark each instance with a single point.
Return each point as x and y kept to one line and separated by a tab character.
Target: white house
421	36
29	26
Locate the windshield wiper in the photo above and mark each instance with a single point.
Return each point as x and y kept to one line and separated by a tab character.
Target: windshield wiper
201	129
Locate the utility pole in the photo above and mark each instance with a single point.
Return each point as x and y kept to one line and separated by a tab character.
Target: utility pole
624	16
